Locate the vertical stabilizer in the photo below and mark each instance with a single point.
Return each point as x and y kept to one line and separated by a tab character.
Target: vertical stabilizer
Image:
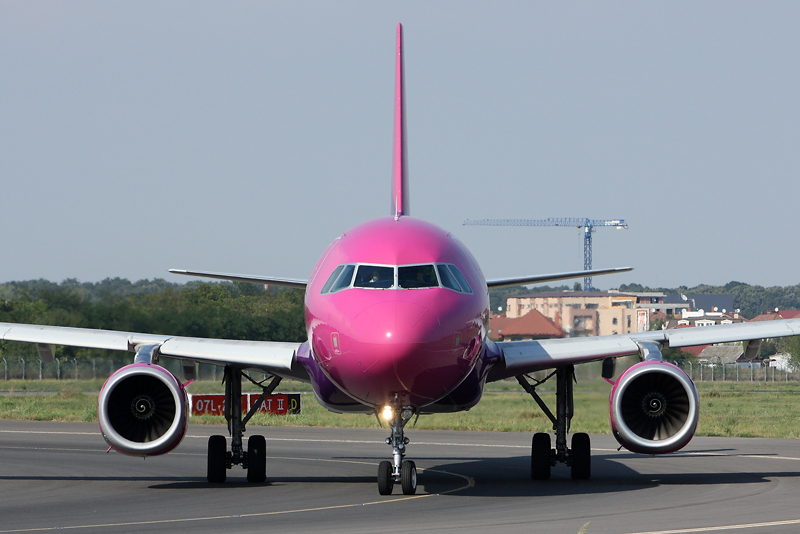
400	158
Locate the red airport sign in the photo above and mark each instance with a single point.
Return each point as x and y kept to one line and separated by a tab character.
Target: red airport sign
214	403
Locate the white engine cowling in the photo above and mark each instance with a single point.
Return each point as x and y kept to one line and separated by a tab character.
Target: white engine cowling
142	410
654	408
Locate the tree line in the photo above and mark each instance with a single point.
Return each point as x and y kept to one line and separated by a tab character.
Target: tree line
246	311
215	310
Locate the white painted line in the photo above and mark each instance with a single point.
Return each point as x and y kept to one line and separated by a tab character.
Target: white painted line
49	432
721	528
470	482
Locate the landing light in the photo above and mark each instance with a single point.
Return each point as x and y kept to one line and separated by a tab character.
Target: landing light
387	412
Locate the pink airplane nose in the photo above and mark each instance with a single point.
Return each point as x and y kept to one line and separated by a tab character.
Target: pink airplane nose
389	323
397	348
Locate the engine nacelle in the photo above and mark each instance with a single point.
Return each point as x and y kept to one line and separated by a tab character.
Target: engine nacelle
654	408
142	410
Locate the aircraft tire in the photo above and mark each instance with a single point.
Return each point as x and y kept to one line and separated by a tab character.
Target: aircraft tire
540	456
385	480
408	477
217	459
256	459
581	456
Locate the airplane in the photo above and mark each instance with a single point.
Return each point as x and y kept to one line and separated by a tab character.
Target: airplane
396	313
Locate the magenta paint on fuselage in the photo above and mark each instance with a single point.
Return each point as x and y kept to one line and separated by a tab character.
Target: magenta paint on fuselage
413	345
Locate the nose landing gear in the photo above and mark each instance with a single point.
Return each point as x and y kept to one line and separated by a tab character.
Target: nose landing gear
399	470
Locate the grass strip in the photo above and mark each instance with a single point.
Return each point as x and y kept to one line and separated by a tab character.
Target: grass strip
726	409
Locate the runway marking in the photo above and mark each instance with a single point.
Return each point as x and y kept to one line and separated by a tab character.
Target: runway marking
215	518
470	482
723	527
434	443
49	432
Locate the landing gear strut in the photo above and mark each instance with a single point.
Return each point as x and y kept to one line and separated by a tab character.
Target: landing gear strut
254	459
579	457
400	470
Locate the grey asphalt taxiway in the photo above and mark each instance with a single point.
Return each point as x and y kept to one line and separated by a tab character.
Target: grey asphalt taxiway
56	476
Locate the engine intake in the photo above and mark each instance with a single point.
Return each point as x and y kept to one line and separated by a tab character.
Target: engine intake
654	408
142	410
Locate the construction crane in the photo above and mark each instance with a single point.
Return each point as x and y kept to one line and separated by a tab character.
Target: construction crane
588	226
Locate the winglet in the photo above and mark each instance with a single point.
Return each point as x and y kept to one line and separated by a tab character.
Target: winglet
399	167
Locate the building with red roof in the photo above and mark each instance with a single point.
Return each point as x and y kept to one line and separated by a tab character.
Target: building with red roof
778	314
532	325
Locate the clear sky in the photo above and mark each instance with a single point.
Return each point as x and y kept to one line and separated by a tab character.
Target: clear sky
244	137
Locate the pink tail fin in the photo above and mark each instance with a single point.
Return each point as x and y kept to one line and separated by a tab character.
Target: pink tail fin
400	166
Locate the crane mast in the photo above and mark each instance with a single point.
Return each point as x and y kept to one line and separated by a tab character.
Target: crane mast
588	226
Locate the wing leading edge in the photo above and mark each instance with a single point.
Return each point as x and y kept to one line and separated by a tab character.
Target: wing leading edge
270	356
542	278
253	279
519	357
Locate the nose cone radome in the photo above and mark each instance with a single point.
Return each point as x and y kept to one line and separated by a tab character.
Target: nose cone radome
397	348
387	323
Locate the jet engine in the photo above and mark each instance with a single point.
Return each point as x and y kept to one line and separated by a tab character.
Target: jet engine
142	410
654	408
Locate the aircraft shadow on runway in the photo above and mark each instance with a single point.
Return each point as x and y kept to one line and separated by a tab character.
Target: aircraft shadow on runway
500	477
494	477
240	481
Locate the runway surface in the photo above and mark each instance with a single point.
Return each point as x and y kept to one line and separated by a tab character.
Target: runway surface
58	476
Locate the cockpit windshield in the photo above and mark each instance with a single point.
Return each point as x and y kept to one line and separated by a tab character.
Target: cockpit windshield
417	276
367	276
374	276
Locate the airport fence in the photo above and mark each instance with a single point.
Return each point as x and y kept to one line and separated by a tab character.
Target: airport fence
85	369
738	372
102	368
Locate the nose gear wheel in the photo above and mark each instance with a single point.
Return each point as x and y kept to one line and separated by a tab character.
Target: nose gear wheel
399	470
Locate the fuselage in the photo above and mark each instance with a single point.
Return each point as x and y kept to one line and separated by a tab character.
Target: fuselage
396	312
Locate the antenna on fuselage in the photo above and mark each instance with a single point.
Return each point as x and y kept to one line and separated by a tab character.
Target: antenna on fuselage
400	205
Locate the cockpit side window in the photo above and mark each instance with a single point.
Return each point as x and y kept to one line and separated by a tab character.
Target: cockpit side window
416	276
461	280
344	279
448	280
374	277
331	279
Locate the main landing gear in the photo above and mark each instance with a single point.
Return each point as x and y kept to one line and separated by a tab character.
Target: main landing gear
400	470
579	456
254	459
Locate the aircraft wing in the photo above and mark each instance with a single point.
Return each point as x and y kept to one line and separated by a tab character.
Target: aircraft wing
251	278
519	357
269	356
542	278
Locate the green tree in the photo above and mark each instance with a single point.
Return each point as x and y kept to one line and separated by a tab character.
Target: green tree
791	346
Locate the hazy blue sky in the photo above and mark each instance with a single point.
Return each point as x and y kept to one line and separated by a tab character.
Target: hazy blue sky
244	137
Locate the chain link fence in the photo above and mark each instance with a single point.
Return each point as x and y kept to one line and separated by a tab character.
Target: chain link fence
81	369
102	368
738	372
